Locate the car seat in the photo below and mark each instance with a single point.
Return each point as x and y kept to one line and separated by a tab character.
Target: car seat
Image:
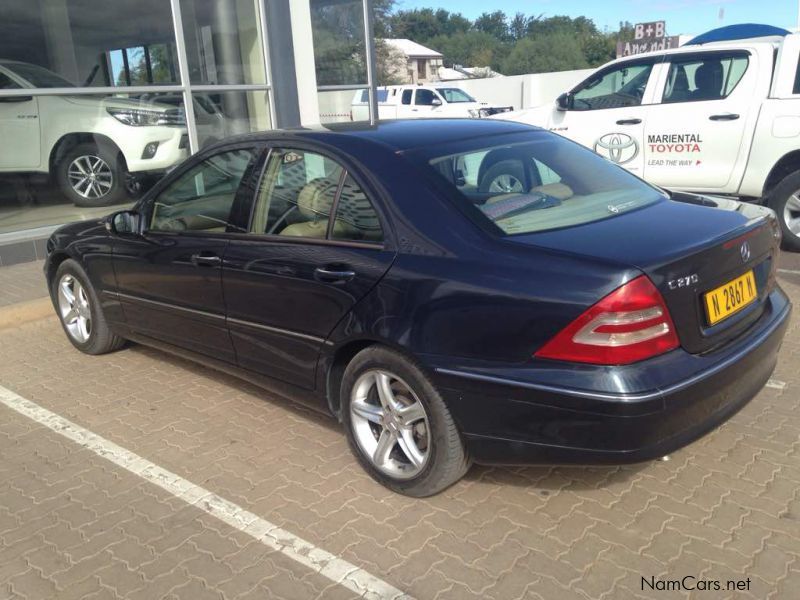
708	81
314	204
680	87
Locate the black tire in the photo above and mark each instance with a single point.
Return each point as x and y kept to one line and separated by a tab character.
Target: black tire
777	200
115	175
447	459
511	168
101	340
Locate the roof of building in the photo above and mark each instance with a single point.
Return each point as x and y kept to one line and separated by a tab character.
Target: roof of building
412	49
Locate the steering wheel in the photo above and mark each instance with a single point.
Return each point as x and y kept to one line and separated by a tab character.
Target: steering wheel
281	219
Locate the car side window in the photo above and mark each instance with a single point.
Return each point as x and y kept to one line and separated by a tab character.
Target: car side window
424	97
201	199
406	98
6	83
616	88
356	219
296	194
712	77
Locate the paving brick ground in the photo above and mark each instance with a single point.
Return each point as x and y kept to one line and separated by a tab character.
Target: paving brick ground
20	283
73	525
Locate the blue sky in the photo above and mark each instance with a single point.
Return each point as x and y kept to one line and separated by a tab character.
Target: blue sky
682	16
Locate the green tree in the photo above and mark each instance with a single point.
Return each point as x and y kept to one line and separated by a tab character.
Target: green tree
495	24
544	54
470	49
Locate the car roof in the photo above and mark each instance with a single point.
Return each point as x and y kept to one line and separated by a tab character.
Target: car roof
401	135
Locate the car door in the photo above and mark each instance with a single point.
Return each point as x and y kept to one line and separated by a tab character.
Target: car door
19	121
298	271
607	111
427	104
696	136
169	277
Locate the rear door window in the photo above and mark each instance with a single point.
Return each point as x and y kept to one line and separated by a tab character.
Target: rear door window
713	76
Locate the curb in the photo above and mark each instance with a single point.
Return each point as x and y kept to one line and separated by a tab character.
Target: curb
14	315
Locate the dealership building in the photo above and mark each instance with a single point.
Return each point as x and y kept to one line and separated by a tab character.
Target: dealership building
99	99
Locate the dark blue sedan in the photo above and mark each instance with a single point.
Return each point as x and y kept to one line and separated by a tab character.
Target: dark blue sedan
451	291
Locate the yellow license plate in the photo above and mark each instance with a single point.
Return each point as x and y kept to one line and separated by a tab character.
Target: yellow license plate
730	298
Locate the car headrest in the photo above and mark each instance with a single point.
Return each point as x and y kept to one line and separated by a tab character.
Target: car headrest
708	77
315	199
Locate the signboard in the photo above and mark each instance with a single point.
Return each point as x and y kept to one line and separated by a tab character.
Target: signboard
648	37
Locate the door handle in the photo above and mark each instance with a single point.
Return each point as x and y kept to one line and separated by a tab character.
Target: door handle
333	275
724	117
205	259
629	121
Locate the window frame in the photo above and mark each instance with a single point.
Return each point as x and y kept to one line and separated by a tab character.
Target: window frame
684	57
348	168
652	61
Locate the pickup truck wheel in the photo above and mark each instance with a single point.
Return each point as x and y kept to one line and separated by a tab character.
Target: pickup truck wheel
91	175
785	201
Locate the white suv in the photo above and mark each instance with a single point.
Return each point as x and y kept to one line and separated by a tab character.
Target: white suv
90	146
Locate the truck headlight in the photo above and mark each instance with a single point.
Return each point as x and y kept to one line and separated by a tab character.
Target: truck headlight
137	117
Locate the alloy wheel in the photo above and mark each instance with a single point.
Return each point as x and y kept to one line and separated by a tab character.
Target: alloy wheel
506	184
390	424
90	177
791	213
73	306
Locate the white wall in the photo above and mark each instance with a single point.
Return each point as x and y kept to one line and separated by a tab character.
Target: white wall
519	91
522	91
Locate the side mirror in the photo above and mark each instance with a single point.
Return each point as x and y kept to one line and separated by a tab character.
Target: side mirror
124	222
565	101
436	102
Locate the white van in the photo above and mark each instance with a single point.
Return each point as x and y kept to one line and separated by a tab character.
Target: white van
422	102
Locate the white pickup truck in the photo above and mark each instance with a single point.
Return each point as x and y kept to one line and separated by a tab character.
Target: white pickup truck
422	102
719	115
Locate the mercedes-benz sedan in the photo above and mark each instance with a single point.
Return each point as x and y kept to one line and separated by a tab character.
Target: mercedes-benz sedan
451	291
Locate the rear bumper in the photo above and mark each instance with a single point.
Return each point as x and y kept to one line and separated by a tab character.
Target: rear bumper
509	416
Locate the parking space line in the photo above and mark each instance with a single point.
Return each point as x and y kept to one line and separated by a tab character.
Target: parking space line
326	564
776	384
789	271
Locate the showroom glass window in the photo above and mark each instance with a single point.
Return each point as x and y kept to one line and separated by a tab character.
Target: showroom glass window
620	86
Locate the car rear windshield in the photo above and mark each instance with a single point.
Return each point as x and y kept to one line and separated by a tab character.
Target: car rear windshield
536	181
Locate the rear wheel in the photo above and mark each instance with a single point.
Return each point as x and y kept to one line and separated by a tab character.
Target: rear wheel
79	311
398	425
785	201
91	175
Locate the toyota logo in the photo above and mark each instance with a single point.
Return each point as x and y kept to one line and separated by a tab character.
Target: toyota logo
619	148
745	252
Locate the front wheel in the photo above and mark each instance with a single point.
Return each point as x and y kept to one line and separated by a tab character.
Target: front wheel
785	201
91	175
398	426
80	312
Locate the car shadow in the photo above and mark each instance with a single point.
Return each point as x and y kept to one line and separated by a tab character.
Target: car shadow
546	479
313	416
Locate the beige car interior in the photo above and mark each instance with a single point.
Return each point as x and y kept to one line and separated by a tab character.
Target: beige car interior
556	190
314	204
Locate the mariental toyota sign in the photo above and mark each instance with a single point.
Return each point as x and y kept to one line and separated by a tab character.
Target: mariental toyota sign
648	37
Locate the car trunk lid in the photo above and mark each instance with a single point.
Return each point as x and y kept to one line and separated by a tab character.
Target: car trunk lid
688	248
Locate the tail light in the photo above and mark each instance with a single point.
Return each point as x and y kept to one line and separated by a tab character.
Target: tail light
631	324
